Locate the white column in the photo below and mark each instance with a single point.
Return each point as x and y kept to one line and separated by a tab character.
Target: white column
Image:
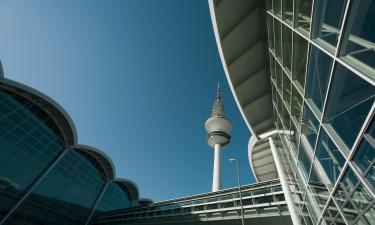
216	182
284	183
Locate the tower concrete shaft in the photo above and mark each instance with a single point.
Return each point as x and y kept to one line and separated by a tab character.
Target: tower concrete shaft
216	182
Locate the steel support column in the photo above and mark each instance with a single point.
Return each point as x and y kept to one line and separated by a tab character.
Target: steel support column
284	183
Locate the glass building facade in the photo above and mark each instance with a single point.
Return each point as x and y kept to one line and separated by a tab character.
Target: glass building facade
45	177
322	69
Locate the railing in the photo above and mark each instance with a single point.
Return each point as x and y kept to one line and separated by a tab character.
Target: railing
261	199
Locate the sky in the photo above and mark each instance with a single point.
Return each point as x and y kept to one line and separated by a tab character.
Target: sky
137	77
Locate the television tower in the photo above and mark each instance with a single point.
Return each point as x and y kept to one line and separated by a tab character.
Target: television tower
218	128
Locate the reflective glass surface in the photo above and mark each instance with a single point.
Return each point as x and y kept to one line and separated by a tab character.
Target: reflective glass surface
349	104
288	11
277	33
276	7
333	96
296	104
28	146
351	196
365	155
270	32
299	61
327	20
309	127
360	42
286	90
317	78
328	158
303	15
287	47
65	196
113	198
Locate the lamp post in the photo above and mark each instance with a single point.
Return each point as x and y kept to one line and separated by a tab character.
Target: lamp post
239	188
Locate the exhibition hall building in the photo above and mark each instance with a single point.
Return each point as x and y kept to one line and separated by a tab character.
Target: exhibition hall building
302	73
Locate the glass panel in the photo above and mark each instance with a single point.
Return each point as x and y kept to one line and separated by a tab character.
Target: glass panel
317	187
288	11
317	78
360	29
348	104
287	47
294	138
303	14
309	129
365	155
296	104
65	196
286	90
277	7
286	118
327	20
270	32
272	68
369	216
113	198
269	4
329	159
351	196
279	76
28	146
370	177
332	215
277	34
299	61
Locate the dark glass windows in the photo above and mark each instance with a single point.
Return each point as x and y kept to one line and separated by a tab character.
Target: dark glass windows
287	47
329	159
303	15
288	11
327	20
72	204
351	196
299	61
277	33
270	32
360	42
113	198
276	7
317	78
349	104
27	147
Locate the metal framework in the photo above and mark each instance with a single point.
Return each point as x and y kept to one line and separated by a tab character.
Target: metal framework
337	57
259	200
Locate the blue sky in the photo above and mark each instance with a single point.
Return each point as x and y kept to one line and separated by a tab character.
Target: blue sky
138	79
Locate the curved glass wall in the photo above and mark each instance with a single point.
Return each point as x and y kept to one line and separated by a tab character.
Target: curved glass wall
113	198
42	181
65	196
28	146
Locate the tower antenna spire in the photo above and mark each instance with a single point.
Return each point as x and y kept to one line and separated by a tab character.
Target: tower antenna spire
218	91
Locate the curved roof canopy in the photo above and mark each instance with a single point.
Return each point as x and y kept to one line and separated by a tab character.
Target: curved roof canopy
99	159
261	159
239	28
129	187
65	128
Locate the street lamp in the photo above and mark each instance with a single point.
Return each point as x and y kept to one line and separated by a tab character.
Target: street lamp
239	188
